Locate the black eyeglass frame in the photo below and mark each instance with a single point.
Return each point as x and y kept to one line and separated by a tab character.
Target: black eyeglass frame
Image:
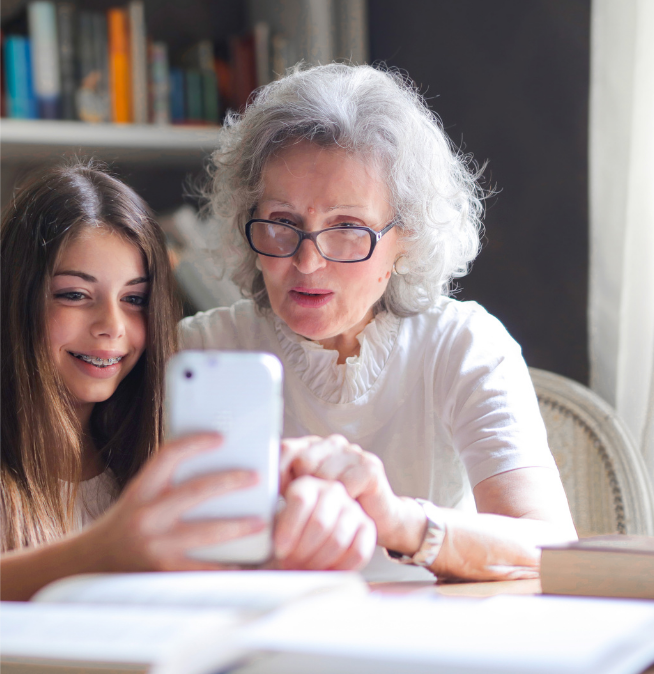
374	237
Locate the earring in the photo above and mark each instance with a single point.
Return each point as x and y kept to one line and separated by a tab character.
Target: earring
401	266
257	263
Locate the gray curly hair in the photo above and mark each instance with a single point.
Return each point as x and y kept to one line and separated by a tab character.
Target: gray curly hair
375	114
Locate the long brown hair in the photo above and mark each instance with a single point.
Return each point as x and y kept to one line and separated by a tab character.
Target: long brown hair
41	436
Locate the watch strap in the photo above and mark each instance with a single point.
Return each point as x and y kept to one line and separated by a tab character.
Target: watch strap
432	542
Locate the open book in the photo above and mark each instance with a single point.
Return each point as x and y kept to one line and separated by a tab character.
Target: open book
423	635
136	620
323	623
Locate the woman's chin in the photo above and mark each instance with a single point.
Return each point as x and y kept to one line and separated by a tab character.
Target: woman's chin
310	324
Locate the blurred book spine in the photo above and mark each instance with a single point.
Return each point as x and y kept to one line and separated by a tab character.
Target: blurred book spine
177	96
139	62
42	23
67	60
244	69
159	83
120	85
21	103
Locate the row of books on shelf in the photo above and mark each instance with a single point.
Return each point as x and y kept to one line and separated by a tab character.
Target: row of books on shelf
103	67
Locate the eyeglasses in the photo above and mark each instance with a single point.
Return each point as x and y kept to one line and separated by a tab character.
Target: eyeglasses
344	242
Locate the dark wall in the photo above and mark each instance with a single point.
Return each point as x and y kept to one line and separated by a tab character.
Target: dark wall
509	79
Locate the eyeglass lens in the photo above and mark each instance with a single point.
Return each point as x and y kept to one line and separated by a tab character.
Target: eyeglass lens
338	244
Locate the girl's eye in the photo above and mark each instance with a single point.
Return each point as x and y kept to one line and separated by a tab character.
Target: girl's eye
136	300
72	296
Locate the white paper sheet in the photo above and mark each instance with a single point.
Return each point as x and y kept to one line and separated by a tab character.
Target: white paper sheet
110	634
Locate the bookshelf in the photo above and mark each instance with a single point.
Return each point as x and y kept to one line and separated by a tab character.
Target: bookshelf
136	144
157	159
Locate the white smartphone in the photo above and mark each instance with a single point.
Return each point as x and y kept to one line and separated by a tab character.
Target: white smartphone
238	394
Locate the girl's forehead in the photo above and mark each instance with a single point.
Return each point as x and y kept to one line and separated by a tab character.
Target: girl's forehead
102	248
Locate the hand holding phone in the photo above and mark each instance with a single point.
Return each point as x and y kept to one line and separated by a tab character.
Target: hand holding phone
237	394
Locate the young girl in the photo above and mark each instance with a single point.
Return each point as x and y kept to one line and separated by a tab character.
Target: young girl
88	322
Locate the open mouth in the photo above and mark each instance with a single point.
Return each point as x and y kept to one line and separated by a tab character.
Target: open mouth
94	360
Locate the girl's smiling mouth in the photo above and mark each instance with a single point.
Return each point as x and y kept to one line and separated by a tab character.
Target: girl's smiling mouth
96	360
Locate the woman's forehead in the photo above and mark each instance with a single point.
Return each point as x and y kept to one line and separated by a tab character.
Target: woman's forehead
331	176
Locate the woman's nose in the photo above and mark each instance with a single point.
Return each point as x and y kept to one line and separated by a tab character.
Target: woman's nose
109	321
308	259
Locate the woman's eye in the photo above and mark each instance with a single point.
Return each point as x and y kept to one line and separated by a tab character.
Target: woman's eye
285	221
72	296
136	300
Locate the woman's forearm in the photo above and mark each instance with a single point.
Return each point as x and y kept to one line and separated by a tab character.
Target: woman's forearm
24	572
480	546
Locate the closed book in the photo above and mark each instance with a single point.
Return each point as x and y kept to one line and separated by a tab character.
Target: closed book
262	53
210	99
200	57
177	96
139	62
20	101
18	78
244	69
67	58
120	85
92	97
42	22
601	566
101	57
194	106
159	83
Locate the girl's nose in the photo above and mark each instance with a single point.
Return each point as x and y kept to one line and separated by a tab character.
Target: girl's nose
109	321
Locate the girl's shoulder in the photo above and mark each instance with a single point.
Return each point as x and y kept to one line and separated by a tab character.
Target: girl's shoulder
239	327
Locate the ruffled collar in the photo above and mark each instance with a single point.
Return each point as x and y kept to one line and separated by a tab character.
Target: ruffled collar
317	367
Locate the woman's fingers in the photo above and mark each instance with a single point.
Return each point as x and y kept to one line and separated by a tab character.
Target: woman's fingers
157	474
360	551
301	497
320	528
341	539
290	448
332	458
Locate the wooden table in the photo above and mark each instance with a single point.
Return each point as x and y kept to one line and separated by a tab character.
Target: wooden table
458	589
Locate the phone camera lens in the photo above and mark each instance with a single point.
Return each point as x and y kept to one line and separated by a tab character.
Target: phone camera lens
188	374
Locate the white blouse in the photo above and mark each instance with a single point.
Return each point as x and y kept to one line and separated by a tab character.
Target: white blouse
94	496
444	398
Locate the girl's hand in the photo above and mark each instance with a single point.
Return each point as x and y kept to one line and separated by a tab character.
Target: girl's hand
400	522
145	530
321	527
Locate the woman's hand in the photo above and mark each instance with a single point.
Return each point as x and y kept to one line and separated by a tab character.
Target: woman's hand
145	529
321	527
520	511
400	522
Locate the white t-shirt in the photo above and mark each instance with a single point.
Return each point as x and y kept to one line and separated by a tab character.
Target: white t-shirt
444	398
94	496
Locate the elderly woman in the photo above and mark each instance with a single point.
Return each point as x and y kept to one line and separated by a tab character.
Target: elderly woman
348	214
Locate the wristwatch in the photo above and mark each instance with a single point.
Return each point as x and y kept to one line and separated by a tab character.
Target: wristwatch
432	542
